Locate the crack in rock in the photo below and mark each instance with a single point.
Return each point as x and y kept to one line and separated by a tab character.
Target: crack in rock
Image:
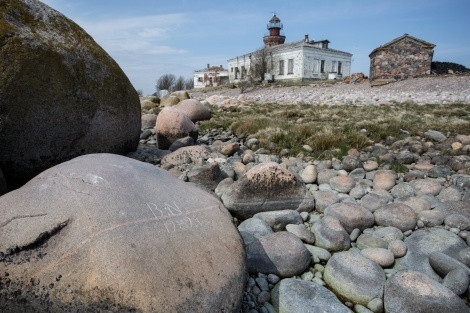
20	217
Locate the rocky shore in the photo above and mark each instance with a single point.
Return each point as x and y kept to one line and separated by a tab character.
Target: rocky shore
377	231
104	209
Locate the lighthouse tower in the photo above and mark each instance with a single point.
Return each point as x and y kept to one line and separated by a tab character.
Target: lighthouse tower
275	38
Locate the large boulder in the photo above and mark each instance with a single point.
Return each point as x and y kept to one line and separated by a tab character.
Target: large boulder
173	125
186	155
414	292
354	277
351	215
104	231
424	242
61	95
194	110
280	253
267	187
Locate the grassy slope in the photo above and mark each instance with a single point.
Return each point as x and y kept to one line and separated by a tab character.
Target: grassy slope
336	128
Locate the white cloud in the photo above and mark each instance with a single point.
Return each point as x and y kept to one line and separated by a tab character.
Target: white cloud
143	34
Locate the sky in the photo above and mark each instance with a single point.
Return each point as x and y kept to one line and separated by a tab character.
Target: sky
151	38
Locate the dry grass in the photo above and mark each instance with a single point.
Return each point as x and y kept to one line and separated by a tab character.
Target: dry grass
332	130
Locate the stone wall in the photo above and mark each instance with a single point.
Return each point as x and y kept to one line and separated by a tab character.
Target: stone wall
404	59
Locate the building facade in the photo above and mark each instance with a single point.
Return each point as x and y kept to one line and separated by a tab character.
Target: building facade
401	58
302	60
211	76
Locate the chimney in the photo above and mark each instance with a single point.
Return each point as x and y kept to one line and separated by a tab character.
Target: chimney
306	38
208	65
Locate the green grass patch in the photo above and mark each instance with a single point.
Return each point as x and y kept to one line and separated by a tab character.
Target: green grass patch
333	130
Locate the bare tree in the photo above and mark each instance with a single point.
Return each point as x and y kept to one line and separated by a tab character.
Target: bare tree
260	64
189	83
179	84
165	82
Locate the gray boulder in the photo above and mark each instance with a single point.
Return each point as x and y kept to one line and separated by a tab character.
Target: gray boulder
280	253
104	231
78	101
278	220
300	296
353	277
443	264
398	215
253	228
454	207
351	215
267	187
414	292
323	199
330	234
424	242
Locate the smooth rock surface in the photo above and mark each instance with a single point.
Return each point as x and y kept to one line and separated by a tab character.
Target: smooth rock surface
194	110
424	242
106	231
354	277
414	292
299	296
278	220
330	234
351	215
172	125
280	253
397	215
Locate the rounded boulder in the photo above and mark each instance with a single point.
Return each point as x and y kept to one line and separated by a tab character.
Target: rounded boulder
61	94
398	215
104	231
351	215
354	277
267	187
173	125
280	253
414	292
194	110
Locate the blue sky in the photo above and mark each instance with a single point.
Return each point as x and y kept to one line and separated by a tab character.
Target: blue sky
151	38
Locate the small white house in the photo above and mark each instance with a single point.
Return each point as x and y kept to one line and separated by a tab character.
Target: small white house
302	60
210	77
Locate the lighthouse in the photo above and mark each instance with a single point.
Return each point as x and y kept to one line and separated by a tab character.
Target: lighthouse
275	38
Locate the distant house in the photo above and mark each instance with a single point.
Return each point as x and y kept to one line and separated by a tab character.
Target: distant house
403	57
210	77
301	60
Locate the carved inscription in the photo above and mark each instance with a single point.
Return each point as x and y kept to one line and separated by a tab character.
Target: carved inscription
175	218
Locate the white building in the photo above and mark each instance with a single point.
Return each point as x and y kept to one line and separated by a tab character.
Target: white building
301	60
210	77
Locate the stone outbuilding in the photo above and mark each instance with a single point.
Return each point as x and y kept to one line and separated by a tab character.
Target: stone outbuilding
401	58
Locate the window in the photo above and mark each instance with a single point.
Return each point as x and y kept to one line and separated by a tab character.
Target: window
281	67
236	72
243	72
231	69
322	66
199	79
290	66
340	68
333	67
